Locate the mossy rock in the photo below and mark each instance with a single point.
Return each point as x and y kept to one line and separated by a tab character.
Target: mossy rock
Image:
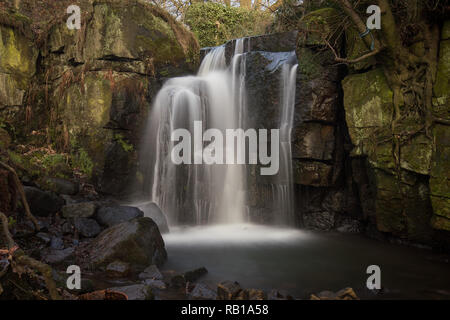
445	34
368	103
137	242
355	47
18	54
312	173
85	109
441	100
416	155
403	207
388	203
440	174
12	89
313	64
318	26
135	31
5	139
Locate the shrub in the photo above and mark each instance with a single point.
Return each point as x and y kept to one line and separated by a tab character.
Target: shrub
215	23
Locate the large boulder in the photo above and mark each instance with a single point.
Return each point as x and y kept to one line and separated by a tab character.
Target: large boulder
368	107
137	242
112	215
79	210
152	211
88	228
61	186
398	181
43	203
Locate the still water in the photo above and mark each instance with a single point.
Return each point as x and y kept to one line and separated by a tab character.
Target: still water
303	262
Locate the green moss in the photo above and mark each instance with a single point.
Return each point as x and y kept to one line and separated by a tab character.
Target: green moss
215	23
312	64
441	101
82	162
18	55
318	26
440	223
368	103
355	48
125	145
440	173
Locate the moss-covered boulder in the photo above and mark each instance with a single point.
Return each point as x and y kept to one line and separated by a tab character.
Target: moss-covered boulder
398	180
17	65
440	178
441	101
18	53
368	108
137	242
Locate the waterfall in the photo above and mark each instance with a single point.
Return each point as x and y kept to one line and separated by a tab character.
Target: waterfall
210	193
285	183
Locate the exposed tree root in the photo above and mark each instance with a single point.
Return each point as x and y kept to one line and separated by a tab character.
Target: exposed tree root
22	194
20	260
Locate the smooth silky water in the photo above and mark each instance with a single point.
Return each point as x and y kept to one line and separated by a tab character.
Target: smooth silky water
214	197
304	262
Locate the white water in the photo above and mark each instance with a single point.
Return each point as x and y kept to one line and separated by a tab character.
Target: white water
201	193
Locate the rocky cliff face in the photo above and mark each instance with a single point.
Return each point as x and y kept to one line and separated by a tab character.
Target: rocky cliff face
88	91
406	196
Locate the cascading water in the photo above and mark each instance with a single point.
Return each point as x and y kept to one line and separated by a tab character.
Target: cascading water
211	193
285	185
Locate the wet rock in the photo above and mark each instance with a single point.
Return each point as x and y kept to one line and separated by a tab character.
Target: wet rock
79	210
319	220
202	292
313	141
178	281
88	228
317	100
228	290
256	294
43	203
68	199
151	272
344	294
118	269
137	242
56	243
152	211
275	294
67	227
350	226
45	237
54	256
194	275
61	186
312	173
136	292
107	294
113	215
155	284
